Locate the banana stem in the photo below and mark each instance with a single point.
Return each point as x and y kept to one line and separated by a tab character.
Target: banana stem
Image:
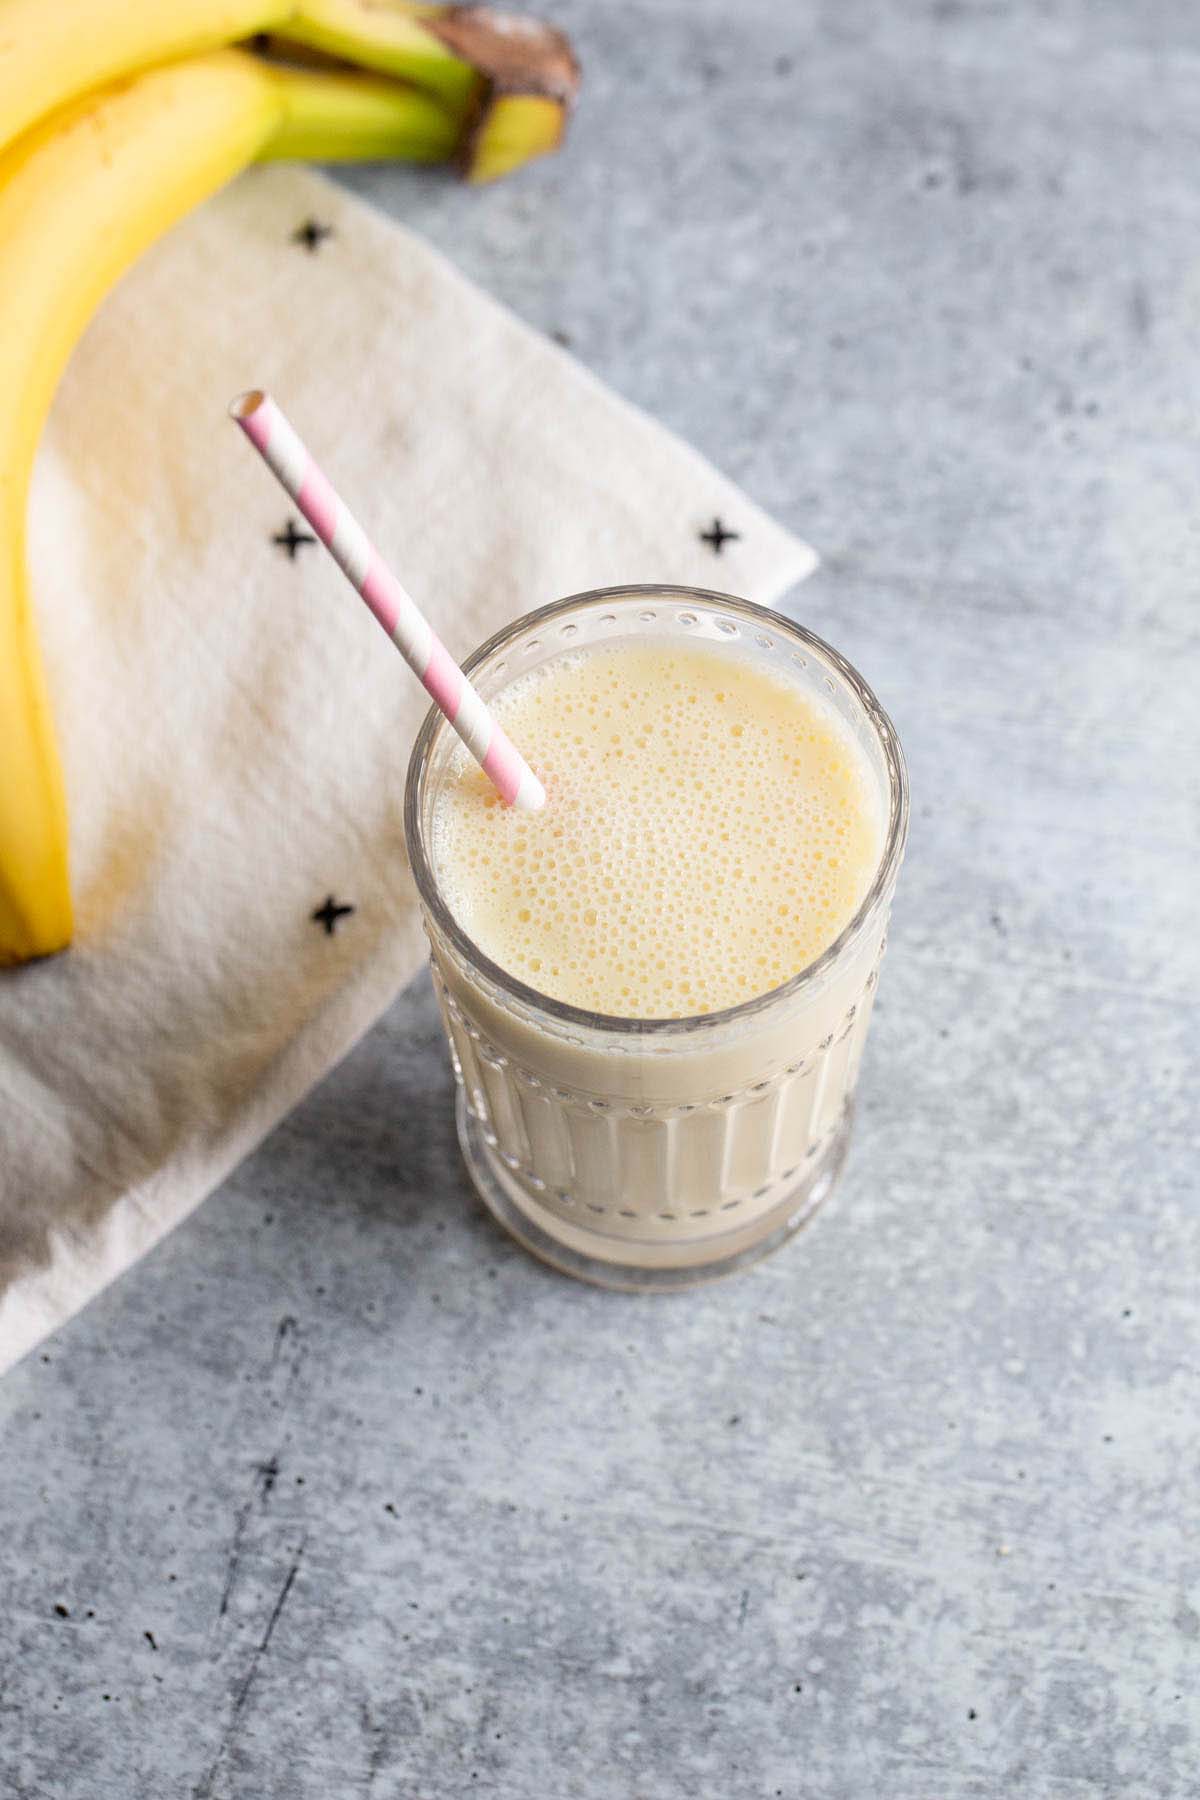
391	39
359	118
516	77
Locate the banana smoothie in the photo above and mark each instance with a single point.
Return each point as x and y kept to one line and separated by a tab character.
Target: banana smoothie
709	830
657	988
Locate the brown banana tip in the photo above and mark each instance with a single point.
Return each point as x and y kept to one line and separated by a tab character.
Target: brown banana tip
517	55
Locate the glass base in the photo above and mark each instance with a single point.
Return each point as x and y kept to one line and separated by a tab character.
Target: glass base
653	1267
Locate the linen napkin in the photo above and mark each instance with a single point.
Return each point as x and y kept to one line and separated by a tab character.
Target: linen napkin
233	725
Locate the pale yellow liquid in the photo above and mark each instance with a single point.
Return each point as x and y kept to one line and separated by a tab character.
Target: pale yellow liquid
710	829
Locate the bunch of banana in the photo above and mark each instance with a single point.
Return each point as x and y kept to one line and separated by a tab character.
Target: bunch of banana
91	174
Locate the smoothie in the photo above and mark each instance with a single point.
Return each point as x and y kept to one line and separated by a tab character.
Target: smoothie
657	989
710	828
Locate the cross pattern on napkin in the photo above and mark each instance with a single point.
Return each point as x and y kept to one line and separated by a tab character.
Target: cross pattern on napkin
329	914
718	536
292	540
312	235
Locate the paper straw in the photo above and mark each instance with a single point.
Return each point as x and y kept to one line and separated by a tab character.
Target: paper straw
364	568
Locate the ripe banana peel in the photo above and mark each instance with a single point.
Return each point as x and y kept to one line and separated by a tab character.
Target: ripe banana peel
82	193
80	197
511	80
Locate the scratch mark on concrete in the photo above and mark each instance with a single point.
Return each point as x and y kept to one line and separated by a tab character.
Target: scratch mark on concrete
267	1474
235	1552
203	1789
281	1602
269	1471
287	1327
286	1360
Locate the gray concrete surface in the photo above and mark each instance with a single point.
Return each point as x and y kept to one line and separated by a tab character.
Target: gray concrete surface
338	1494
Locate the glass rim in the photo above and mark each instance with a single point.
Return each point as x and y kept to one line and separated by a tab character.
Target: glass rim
562	1011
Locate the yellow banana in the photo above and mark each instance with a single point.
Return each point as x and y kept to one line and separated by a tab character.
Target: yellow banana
81	195
516	77
94	179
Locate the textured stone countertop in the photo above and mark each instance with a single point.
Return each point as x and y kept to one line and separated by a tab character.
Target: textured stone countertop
340	1494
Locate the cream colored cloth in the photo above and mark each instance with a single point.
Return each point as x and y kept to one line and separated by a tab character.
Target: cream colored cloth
233	725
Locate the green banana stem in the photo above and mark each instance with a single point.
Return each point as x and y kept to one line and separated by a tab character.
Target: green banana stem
347	117
516	77
391	39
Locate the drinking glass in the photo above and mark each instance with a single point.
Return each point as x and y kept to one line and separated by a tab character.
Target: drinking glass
654	1153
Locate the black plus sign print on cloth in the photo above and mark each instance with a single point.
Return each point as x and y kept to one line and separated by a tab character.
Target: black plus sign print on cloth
311	235
329	914
718	536
292	540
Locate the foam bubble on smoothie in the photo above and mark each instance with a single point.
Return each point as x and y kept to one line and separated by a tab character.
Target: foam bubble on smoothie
710	829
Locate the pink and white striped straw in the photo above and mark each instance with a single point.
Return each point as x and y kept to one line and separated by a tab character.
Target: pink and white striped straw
364	568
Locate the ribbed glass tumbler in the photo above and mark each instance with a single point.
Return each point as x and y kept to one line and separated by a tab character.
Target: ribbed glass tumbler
653	1153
